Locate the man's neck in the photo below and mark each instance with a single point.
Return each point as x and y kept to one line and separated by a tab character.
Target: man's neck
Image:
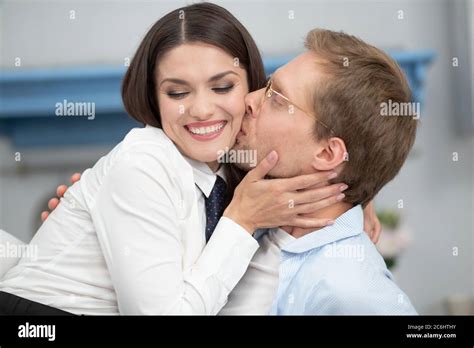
332	212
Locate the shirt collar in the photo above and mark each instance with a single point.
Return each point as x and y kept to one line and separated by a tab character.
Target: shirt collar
347	225
204	177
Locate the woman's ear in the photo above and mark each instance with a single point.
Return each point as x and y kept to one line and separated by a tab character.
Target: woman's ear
330	153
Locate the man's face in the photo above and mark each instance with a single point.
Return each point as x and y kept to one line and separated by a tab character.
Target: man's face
275	124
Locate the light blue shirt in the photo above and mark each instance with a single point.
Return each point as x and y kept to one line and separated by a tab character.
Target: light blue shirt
335	271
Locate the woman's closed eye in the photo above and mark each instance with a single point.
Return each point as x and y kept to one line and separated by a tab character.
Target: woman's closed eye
223	89
177	94
181	94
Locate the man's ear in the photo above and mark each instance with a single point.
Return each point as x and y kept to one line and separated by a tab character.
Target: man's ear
330	154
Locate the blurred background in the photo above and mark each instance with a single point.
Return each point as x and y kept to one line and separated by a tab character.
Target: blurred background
79	50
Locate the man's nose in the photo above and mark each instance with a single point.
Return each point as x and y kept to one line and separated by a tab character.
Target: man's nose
253	101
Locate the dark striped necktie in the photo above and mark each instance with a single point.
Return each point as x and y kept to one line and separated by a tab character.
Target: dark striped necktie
215	206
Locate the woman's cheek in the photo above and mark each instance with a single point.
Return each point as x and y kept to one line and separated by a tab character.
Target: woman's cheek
236	108
169	112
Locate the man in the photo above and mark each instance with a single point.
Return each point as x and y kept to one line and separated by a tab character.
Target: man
321	112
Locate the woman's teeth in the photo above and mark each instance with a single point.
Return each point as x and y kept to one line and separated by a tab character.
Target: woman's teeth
206	130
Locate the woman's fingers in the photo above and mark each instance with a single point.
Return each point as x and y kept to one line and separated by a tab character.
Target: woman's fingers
263	168
373	228
305	222
317	194
376	232
315	206
44	215
304	181
53	203
372	224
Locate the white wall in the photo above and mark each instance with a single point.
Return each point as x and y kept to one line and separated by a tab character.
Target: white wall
437	192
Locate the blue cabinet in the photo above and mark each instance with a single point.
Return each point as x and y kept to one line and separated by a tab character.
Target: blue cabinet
28	101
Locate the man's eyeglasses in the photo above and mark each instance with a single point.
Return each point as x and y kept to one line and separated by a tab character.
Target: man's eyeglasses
269	92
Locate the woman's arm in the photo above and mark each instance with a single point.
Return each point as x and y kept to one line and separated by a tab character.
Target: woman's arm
372	224
137	223
136	215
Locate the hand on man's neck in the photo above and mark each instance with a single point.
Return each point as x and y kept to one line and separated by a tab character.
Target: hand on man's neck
331	212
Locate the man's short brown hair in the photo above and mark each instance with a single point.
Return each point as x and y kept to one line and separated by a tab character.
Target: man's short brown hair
359	79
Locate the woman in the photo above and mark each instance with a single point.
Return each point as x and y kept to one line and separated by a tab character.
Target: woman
133	236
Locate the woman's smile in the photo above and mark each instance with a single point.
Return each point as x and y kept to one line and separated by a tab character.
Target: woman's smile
205	131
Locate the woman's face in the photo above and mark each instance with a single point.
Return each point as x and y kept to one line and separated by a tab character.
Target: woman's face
201	95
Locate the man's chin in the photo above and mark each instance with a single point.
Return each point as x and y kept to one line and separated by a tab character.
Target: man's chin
241	147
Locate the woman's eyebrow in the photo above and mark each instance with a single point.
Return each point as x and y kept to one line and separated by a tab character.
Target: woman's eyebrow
173	80
212	79
221	75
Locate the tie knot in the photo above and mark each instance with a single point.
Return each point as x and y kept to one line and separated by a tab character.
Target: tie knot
219	186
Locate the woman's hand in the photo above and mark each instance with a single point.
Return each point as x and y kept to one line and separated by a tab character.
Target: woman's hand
372	224
265	203
53	202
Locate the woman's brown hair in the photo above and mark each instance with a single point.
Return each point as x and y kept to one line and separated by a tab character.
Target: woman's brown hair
202	22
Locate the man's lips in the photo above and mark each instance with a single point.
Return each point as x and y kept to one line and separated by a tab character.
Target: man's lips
242	131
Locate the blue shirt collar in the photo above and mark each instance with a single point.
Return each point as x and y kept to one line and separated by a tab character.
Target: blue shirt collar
349	224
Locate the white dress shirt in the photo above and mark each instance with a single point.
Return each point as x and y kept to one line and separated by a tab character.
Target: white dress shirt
129	238
256	290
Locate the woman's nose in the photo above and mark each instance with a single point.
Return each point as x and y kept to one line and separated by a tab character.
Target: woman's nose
201	108
253	101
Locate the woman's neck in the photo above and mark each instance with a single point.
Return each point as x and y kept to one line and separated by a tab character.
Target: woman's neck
214	166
